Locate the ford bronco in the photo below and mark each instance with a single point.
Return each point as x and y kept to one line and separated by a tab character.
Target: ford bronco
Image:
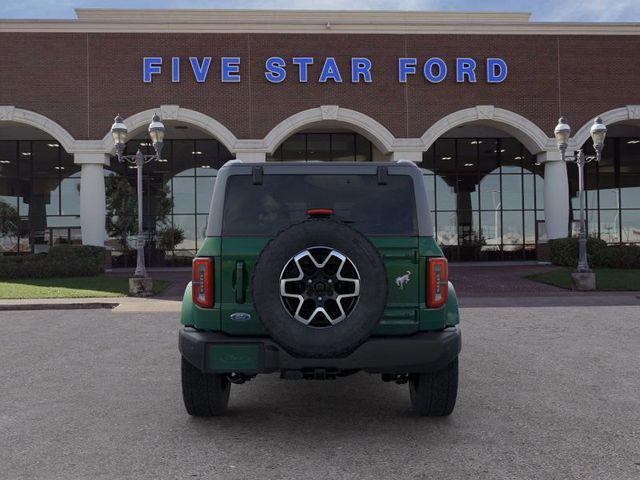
318	271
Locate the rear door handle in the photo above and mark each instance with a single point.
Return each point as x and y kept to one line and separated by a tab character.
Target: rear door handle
239	288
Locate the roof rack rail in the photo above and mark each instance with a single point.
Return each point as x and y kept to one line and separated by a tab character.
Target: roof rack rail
404	161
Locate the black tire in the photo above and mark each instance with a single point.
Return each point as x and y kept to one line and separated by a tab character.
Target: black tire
204	394
311	341
434	394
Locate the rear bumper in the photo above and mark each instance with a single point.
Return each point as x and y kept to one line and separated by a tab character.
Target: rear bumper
216	352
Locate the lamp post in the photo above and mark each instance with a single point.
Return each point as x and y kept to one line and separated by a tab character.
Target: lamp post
156	132
598	133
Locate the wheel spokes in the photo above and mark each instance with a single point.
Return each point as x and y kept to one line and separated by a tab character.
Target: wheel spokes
313	289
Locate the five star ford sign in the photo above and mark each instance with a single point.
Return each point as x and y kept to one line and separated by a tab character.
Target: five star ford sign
361	69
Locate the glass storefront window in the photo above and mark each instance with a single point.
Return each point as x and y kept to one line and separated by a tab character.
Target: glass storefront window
490	198
445	195
491	214
612	190
630	224
204	191
610	226
294	149
183	195
39	195
318	146
445	156
512	229
512	192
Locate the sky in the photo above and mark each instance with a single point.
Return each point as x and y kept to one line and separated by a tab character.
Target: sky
542	10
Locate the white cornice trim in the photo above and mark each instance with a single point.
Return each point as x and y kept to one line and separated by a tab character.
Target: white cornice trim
309	21
298	16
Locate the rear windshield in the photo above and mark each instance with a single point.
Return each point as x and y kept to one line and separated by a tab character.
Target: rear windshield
282	200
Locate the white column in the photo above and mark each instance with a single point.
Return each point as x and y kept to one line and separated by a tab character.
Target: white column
251	157
556	194
406	155
92	197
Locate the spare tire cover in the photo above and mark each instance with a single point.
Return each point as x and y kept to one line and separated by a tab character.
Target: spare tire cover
320	288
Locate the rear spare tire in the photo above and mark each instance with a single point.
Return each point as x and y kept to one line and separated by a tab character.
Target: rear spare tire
320	288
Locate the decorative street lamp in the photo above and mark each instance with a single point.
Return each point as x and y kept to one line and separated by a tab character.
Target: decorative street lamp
598	133
156	132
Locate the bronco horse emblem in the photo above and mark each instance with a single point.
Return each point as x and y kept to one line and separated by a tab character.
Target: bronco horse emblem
403	280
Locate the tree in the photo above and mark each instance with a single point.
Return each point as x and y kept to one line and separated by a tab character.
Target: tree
122	209
9	221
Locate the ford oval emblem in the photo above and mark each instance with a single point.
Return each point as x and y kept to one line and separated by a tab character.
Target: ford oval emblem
240	317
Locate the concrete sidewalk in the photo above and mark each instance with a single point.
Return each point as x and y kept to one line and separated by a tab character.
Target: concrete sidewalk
115	304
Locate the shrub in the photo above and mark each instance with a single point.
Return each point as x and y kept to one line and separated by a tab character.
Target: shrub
618	256
169	237
564	251
61	261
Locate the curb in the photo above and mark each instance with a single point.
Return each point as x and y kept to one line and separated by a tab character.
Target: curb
57	306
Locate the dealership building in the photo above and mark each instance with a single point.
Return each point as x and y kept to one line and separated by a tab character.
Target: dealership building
471	98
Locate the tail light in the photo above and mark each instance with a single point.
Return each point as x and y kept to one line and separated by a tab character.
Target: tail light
320	212
202	282
437	282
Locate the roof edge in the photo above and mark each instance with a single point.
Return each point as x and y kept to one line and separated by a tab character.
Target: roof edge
284	16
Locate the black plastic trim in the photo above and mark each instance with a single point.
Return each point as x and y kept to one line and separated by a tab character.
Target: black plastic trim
421	352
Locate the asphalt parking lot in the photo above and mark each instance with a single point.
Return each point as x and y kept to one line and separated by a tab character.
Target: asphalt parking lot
545	393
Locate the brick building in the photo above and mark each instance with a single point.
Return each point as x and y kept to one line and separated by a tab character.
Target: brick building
473	98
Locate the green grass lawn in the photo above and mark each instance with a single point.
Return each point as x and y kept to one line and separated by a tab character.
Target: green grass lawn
607	279
72	287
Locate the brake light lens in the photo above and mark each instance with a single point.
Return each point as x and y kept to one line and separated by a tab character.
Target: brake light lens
320	212
202	282
437	282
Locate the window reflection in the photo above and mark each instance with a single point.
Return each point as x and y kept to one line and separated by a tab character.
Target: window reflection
39	196
186	175
612	191
486	203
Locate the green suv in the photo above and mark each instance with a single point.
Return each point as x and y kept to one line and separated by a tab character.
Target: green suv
320	270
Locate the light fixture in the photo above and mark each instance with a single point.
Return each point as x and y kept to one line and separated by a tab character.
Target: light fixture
145	144
119	133
517	158
53	145
598	134
205	166
633	142
156	132
4	162
562	133
197	152
447	158
162	160
25	154
58	168
469	164
503	150
476	142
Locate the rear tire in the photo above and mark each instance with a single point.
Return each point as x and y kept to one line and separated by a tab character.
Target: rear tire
434	394
204	394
